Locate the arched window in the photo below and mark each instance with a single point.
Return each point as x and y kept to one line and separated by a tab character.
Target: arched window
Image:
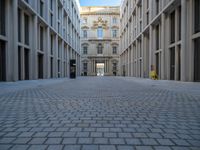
100	32
99	49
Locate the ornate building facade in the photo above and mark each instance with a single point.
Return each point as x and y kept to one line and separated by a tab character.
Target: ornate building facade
38	38
160	34
100	41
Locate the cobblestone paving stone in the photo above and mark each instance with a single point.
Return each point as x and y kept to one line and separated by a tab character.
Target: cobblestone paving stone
105	113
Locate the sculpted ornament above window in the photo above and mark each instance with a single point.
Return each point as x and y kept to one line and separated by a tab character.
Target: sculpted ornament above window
100	22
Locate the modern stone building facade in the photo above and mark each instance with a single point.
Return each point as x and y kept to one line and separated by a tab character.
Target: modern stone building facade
162	33
100	41
38	38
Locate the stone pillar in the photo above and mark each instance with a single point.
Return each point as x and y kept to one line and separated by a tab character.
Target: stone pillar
143	70
176	47
151	52
131	60
48	52
162	71
184	40
128	51
15	41
94	67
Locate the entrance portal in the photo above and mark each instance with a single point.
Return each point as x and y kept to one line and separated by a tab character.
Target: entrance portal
100	69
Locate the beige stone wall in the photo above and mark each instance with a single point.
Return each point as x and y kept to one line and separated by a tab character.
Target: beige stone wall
92	18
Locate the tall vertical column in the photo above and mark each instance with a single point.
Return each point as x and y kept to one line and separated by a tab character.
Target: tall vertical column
184	40
47	53
163	46
143	70
132	60
151	53
128	51
176	48
94	65
15	41
56	58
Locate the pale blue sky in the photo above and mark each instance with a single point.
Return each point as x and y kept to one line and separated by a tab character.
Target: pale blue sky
100	2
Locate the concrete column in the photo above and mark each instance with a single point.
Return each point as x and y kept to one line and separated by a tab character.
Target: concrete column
67	61
132	60
184	40
56	58
128	51
34	47
151	52
176	47
136	65
110	67
94	65
15	41
162	71
47	53
143	57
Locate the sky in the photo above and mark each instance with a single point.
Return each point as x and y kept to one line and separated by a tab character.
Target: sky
100	2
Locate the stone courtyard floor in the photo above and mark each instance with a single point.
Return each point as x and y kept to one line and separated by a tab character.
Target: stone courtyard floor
99	113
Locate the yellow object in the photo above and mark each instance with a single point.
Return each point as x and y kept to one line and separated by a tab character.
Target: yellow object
153	75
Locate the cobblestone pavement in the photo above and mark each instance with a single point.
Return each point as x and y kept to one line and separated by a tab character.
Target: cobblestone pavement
105	113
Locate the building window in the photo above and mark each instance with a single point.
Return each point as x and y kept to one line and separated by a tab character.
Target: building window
85	66
140	8
58	27
59	49
147	18
2	17
157	6
51	5
100	49
114	20
51	19
85	50
51	44
147	4
157	37
114	50
41	8
100	32
197	16
173	27
19	25
115	66
26	29
85	33
114	33
41	38
140	26
179	23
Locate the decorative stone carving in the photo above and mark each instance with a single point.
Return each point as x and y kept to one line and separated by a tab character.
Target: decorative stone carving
100	23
